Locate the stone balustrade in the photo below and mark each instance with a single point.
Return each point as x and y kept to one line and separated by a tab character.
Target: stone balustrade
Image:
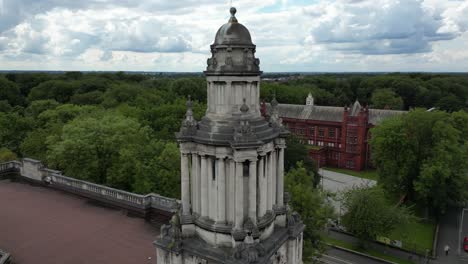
4	256
34	170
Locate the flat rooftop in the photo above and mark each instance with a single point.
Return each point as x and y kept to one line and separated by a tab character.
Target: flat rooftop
41	225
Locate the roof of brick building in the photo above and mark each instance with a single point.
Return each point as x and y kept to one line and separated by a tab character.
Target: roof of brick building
41	225
330	113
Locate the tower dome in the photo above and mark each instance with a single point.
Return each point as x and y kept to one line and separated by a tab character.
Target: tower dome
233	52
233	33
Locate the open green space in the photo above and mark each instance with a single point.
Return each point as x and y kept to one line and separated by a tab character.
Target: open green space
367	174
370	252
415	236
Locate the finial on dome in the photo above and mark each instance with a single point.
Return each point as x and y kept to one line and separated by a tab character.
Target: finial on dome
233	11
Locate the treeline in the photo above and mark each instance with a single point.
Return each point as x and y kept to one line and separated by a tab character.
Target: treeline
111	127
397	91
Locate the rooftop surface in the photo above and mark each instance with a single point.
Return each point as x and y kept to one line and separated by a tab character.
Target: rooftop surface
41	225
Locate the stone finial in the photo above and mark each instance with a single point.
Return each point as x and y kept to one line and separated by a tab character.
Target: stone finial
189	124
233	12
275	120
310	100
274	102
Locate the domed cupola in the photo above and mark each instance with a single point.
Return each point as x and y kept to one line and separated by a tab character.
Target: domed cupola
233	52
233	33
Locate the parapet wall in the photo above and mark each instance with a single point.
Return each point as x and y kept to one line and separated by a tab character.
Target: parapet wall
4	257
152	206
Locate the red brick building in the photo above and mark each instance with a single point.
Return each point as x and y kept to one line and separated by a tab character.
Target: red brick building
337	136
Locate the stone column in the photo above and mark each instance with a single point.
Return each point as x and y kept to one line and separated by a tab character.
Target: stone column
204	187
269	200
212	192
273	177
262	188
280	178
195	183
253	190
239	195
221	190
231	211
185	184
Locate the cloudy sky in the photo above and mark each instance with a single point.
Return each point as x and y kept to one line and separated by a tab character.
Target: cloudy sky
291	35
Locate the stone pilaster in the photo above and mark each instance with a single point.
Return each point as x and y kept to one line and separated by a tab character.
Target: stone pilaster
239	219
221	189
185	182
253	190
280	178
195	175
262	191
204	187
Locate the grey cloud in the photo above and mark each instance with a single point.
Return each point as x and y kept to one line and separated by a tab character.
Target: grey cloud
400	27
13	12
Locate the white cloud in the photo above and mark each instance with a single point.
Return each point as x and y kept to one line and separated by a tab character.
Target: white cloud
157	35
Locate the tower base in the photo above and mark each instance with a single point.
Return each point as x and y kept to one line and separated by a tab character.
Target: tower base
284	246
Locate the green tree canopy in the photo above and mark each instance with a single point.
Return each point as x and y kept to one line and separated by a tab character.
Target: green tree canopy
10	92
310	203
383	98
422	155
368	214
101	149
7	155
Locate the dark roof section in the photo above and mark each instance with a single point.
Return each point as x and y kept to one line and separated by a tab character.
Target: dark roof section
40	225
330	113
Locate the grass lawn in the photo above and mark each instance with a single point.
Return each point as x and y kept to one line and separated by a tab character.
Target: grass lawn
416	236
367	174
370	252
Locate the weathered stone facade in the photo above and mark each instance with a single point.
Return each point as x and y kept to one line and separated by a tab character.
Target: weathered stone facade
232	170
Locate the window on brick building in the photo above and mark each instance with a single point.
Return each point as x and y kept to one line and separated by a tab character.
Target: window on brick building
312	131
331	133
321	132
350	164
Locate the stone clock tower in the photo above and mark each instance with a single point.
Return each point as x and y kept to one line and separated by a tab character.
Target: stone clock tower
232	164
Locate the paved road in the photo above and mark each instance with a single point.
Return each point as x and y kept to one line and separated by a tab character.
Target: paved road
338	182
336	256
450	233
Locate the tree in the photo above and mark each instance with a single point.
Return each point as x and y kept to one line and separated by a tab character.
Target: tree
161	174
368	214
382	98
104	149
297	151
7	155
10	92
310	203
422	156
59	90
450	103
13	129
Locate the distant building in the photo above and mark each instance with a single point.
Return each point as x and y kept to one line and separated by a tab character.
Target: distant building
336	136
